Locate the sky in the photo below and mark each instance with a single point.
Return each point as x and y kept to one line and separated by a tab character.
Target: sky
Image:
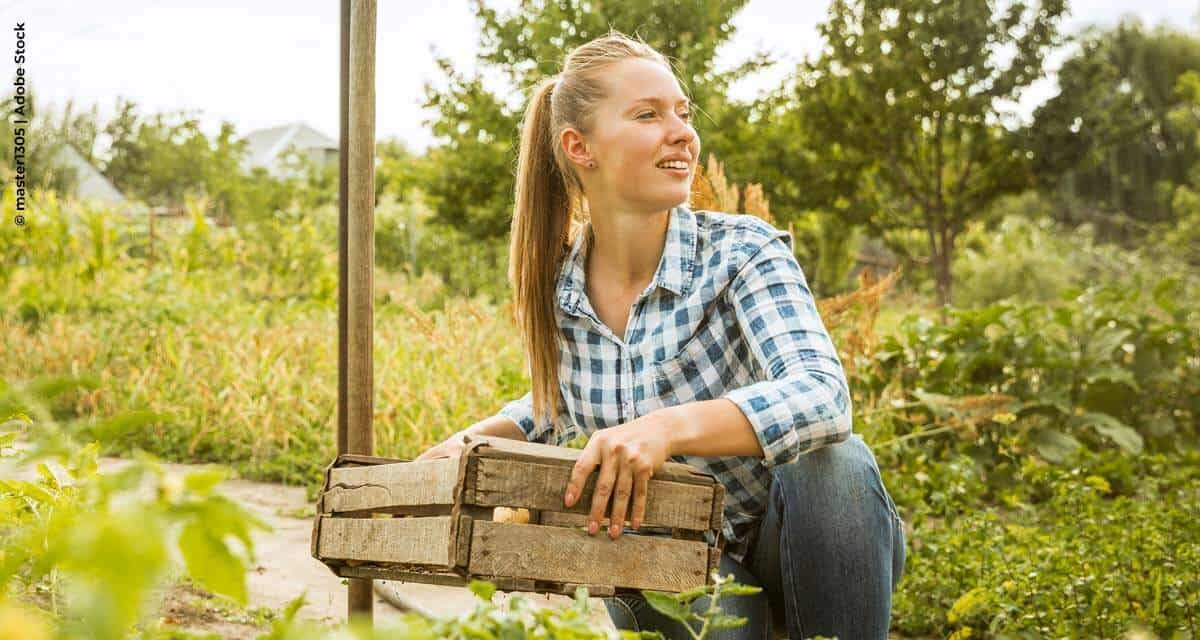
269	62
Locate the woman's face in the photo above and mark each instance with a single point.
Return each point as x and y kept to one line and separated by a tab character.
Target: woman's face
644	121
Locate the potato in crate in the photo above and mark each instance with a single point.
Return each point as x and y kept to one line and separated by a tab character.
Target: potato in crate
496	513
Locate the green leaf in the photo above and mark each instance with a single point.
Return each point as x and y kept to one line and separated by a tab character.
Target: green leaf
667	605
118	426
1105	341
1054	445
211	563
1114	374
482	588
1123	435
688	596
204	480
738	589
725	621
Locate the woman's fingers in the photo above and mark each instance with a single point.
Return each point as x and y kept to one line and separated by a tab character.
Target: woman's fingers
620	502
579	473
604	488
641	485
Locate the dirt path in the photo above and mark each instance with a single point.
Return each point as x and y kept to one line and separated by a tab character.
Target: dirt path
285	568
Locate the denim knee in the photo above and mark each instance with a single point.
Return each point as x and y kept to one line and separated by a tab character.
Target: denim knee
830	474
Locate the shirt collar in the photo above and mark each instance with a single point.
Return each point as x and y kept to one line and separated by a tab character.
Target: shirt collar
674	271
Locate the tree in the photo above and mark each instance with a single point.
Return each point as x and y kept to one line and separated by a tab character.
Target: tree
470	182
903	110
1106	140
47	131
163	157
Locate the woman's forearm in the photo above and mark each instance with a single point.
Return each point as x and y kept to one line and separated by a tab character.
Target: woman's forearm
497	426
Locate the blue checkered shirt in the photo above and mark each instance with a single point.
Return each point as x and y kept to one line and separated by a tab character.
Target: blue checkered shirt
728	314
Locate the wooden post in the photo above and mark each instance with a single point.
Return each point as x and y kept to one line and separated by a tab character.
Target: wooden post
357	196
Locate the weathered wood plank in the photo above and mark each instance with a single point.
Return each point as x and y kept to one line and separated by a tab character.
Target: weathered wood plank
496	447
517	483
402	575
568	555
396	540
425	483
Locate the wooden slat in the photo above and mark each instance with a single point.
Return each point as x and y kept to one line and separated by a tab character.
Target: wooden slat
425	483
567	555
517	483
398	540
496	447
402	575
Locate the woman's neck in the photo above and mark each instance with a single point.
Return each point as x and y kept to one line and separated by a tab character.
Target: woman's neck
626	247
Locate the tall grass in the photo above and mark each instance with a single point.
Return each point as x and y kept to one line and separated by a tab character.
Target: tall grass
239	351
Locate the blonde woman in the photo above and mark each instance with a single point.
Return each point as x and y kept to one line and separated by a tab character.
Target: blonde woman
670	334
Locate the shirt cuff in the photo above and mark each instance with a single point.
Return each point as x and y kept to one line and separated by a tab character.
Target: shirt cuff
789	421
520	411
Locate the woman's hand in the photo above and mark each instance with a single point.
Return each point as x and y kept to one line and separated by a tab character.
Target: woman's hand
627	456
449	448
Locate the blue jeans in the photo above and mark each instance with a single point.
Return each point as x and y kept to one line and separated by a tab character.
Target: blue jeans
829	552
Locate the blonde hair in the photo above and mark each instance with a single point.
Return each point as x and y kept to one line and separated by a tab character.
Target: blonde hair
550	206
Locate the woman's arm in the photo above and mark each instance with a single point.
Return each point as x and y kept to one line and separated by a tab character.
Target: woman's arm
496	425
804	402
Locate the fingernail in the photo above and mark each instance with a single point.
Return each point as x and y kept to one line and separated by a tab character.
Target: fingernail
570	498
593	526
614	531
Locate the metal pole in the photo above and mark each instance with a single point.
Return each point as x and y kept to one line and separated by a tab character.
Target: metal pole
360	236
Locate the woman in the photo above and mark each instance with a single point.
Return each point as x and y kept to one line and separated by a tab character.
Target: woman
670	334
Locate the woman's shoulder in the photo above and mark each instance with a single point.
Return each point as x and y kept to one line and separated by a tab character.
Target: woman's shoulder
735	234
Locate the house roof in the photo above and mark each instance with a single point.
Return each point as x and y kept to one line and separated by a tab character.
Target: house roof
263	146
92	184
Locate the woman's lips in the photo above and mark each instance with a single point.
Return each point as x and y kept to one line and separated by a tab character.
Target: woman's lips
678	173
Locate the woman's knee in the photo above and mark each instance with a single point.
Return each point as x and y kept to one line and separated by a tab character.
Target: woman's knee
833	477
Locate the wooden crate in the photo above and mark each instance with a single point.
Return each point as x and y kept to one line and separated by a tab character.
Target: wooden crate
435	522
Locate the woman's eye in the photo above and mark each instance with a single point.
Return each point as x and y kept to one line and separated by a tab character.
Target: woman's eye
686	115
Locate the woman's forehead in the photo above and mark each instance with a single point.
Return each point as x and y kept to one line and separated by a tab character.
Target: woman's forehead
640	81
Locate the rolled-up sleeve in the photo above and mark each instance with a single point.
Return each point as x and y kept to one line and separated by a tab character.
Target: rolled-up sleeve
556	432
804	404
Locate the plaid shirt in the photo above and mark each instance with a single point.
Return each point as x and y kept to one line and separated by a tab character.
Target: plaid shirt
728	314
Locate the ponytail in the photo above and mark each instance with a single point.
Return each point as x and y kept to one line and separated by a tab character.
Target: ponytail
540	229
549	198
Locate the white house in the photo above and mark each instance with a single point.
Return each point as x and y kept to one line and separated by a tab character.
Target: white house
266	147
92	184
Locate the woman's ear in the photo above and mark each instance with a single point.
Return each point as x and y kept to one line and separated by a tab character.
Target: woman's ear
576	148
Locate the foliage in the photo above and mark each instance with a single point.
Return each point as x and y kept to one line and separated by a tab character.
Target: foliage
408	240
1107	143
92	546
678	606
44	136
1108	367
902	103
1026	259
1111	546
470	183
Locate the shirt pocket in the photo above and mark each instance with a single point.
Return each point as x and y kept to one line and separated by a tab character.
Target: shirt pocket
689	375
